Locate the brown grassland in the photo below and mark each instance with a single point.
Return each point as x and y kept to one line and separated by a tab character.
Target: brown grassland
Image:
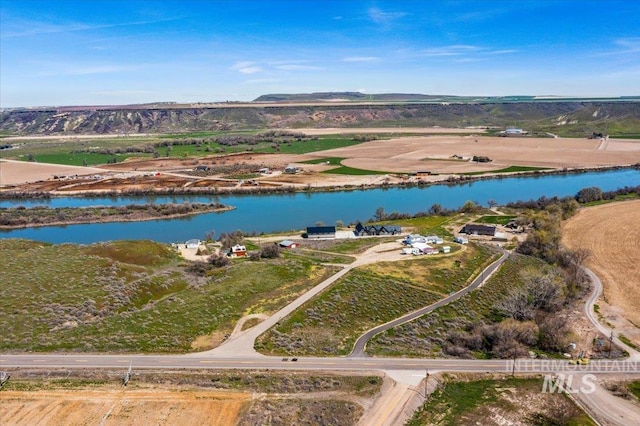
611	233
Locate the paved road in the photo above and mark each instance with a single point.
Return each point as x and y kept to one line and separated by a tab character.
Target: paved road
591	315
170	362
360	345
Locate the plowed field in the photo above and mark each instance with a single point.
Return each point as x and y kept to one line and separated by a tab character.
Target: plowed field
612	234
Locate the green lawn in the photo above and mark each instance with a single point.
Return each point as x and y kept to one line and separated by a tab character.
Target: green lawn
634	388
334	161
82	158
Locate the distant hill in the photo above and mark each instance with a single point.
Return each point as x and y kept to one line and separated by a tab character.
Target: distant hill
345	96
567	118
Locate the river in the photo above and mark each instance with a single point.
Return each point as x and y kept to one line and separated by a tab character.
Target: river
285	212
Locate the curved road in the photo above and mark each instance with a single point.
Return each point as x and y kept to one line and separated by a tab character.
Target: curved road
588	310
361	344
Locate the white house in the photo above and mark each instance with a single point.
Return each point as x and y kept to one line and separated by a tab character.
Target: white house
238	251
445	249
414	238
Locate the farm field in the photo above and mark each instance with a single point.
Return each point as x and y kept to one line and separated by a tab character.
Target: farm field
188	398
434	153
610	232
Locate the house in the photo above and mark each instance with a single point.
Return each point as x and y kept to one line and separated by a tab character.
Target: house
445	249
288	244
238	251
478	229
433	239
513	131
461	240
377	229
264	170
318	232
192	244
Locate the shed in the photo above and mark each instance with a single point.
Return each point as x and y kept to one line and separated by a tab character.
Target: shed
445	249
192	244
317	232
288	244
434	239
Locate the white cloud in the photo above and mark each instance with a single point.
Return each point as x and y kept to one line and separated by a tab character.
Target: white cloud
381	17
246	67
360	59
56	69
502	52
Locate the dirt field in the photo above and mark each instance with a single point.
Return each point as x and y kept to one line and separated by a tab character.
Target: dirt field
611	233
13	172
434	153
117	406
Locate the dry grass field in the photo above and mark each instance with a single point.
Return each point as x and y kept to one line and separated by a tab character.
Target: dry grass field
612	235
117	406
434	153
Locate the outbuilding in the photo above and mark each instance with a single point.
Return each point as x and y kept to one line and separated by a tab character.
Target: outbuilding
320	232
288	244
479	229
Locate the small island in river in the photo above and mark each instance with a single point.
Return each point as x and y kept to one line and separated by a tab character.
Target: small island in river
22	217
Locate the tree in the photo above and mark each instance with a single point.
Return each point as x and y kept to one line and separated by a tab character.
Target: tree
339	224
379	214
492	203
587	195
270	251
436	209
230	239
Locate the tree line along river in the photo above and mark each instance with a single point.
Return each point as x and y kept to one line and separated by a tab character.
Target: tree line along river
283	212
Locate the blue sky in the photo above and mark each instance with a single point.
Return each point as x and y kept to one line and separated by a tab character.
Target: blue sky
72	52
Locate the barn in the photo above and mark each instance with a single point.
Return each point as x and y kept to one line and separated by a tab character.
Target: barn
479	229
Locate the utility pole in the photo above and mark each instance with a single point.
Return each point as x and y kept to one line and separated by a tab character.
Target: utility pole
127	375
610	344
426	385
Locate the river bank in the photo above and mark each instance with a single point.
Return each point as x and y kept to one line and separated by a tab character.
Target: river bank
21	217
432	180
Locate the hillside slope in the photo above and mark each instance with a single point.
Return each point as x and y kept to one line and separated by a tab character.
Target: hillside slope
565	118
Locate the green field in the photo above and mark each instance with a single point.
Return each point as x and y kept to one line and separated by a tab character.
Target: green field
330	323
132	296
334	161
495	219
345	170
498	401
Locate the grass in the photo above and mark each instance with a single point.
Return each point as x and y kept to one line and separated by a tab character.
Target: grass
510	169
82	158
490	401
336	161
495	220
624	339
634	388
428	335
330	323
132	296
